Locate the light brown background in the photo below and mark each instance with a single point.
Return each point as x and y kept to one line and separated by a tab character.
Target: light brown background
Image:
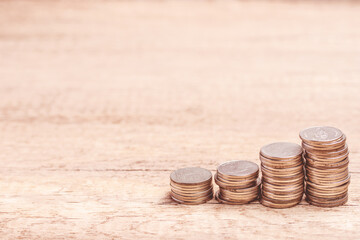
101	100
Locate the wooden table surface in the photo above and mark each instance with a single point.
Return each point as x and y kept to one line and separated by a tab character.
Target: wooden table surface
101	100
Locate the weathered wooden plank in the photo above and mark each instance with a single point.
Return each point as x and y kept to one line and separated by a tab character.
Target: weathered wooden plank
99	101
93	204
103	146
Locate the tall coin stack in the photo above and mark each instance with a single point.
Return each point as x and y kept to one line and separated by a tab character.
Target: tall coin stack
282	174
327	174
191	185
238	182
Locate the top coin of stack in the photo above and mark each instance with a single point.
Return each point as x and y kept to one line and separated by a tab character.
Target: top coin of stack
191	185
327	175
237	182
282	174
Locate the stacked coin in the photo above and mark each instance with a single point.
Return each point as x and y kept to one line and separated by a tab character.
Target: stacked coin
191	185
327	174
282	174
237	182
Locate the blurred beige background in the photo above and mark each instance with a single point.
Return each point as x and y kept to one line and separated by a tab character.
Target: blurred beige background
101	100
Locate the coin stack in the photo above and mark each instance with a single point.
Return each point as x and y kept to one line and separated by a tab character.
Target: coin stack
327	174
282	174
191	185
238	182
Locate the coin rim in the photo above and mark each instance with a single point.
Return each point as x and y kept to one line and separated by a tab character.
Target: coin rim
255	172
310	140
183	183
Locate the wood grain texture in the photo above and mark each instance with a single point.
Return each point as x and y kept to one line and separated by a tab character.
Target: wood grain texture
100	101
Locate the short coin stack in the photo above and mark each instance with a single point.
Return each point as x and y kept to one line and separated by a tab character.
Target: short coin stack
327	174
238	182
191	185
282	174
